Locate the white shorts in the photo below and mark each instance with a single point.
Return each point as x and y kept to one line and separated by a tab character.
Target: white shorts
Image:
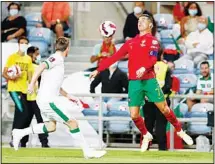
60	109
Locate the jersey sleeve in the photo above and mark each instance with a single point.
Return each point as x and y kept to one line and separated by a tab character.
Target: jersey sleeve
153	48
51	62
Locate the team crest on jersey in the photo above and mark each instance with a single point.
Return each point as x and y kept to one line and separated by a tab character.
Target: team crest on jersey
154	42
51	59
142	44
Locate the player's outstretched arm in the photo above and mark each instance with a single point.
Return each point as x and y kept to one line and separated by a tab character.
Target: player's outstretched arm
115	57
35	77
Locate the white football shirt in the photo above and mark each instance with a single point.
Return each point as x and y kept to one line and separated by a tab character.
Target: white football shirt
51	79
205	85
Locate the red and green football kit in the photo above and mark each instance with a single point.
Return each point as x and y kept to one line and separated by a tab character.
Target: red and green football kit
142	52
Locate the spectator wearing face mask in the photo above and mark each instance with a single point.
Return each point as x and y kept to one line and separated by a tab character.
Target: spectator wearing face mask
190	21
113	81
199	44
130	28
14	25
17	85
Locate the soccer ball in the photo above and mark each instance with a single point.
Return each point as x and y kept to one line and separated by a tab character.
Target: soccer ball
13	71
107	28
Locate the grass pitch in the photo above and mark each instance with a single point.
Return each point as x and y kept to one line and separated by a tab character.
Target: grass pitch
53	155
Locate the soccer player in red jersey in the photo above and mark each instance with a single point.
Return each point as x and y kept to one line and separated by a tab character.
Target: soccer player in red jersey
143	50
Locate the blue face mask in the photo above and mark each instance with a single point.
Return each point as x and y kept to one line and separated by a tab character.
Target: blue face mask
192	12
201	26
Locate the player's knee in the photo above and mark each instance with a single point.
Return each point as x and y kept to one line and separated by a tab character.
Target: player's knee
166	109
51	126
134	115
72	124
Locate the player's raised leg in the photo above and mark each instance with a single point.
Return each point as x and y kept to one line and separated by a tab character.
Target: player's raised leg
40	128
155	94
170	116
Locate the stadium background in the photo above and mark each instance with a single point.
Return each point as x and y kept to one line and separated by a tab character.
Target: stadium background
83	42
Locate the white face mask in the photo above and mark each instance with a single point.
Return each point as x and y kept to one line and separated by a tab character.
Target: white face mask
137	10
23	47
38	59
13	12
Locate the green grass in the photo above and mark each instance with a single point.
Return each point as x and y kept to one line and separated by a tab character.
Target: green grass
38	155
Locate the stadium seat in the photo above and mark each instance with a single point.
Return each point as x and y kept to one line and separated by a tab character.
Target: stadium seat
94	123
186	81
123	65
40	34
33	18
118	126
183	64
164	20
199	110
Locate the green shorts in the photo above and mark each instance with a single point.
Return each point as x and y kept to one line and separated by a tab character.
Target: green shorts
138	89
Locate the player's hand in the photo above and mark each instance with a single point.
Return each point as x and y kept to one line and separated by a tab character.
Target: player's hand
94	74
73	99
140	72
30	88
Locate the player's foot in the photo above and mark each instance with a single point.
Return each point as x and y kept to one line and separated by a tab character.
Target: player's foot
94	153
147	138
185	137
17	136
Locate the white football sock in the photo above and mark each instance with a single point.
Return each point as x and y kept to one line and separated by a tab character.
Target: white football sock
78	136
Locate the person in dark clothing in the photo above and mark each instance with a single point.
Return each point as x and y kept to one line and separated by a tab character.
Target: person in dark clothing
153	116
14	25
33	52
113	81
130	28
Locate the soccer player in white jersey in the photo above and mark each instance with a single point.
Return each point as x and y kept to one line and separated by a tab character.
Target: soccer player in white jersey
51	104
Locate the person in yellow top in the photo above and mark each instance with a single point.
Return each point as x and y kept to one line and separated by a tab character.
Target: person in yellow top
17	85
150	111
33	52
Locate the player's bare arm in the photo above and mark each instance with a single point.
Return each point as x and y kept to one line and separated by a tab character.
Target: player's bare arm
35	77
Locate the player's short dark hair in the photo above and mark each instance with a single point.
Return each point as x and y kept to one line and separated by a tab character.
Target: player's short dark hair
22	38
31	50
186	9
12	4
61	44
151	18
205	62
